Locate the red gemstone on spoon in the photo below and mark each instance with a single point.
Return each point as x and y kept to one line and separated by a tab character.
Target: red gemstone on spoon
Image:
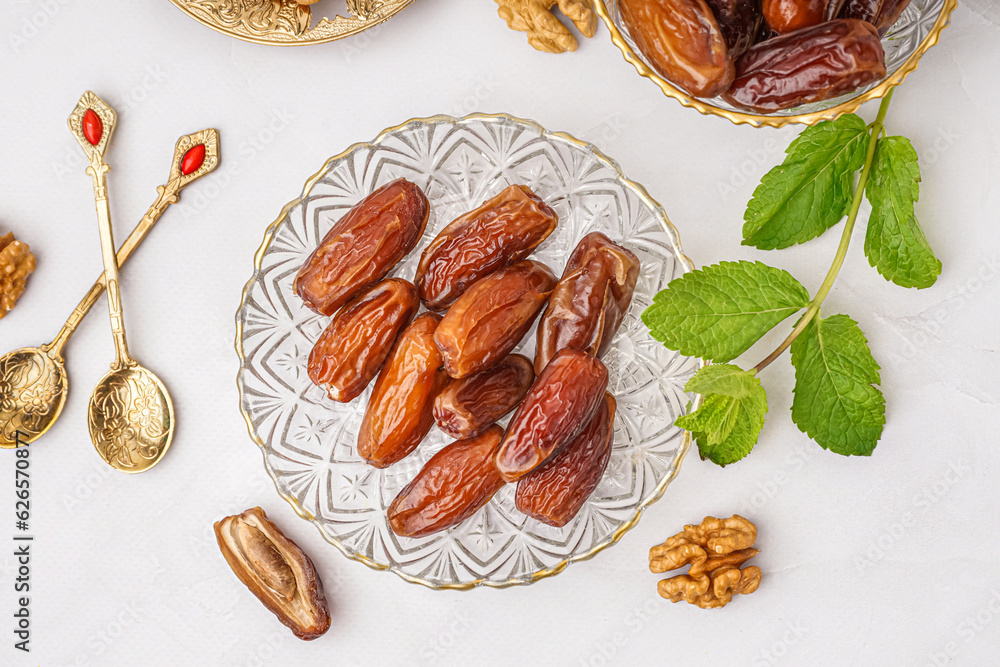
93	128
193	159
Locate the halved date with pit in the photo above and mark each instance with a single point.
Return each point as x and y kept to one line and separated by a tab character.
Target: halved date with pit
400	411
492	317
454	485
363	246
589	303
809	65
352	349
559	405
504	230
469	406
682	41
556	492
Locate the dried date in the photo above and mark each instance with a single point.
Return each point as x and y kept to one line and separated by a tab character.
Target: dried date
468	406
590	301
556	492
863	10
558	406
401	409
889	13
786	16
275	570
363	246
739	21
810	65
504	230
454	485
352	349
492	317
682	41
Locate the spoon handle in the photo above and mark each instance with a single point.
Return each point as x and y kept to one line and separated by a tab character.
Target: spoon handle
166	195
93	123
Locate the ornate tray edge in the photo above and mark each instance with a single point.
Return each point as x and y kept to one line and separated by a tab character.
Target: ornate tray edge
668	227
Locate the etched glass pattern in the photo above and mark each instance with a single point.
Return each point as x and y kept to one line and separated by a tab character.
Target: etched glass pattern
309	441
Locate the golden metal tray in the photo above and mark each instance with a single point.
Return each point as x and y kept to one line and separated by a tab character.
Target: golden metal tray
286	22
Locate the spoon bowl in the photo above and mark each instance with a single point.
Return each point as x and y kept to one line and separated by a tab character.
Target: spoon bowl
33	388
131	419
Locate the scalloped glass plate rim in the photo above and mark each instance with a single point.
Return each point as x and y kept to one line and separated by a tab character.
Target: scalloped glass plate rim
758	120
269	233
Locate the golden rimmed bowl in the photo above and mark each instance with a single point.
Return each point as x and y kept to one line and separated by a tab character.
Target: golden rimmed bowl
918	29
309	442
286	22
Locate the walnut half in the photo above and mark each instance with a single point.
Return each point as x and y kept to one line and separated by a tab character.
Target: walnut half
715	550
16	264
545	31
276	570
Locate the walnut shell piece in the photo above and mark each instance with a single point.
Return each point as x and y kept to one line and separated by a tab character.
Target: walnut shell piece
275	570
716	550
16	264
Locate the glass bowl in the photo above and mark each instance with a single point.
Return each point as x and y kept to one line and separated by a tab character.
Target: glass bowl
917	30
308	441
286	22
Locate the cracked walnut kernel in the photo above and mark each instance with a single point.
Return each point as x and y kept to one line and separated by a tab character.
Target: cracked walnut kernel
545	31
16	264
715	550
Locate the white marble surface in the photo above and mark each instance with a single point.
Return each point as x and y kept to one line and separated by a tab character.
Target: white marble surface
887	560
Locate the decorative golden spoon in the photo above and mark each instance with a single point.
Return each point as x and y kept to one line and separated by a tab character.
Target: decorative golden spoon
33	380
131	416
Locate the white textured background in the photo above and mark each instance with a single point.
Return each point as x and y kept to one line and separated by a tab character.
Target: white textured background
887	560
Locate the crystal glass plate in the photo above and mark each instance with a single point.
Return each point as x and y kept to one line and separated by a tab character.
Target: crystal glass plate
918	29
308	441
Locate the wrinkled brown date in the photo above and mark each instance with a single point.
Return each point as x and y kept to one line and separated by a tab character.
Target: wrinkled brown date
352	349
468	406
453	486
275	570
786	16
810	65
363	246
502	231
889	13
556	492
739	21
682	41
864	10
558	406
491	318
401	409
589	303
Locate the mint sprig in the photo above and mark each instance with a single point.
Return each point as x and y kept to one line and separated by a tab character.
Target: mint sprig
720	311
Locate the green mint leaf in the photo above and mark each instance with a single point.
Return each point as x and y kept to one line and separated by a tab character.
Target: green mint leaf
719	311
728	423
895	244
812	189
836	401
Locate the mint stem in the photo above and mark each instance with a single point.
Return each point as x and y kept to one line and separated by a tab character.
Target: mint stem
877	129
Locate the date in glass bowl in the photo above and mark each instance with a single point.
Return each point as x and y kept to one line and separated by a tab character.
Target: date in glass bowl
918	29
309	442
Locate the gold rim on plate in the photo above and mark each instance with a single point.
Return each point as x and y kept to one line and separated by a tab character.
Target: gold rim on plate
758	120
286	22
638	189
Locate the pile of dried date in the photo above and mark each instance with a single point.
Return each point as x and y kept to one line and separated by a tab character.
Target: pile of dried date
453	364
764	57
